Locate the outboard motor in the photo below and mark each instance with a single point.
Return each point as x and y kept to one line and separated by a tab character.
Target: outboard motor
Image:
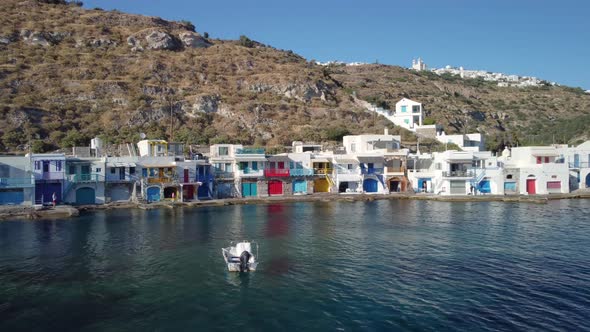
244	259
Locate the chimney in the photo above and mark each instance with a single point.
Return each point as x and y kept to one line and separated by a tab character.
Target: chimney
385	131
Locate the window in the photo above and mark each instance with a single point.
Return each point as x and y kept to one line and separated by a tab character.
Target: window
272	165
438	166
349	166
509	176
72	169
254	165
223	151
37	165
113	170
404	108
407	121
131	170
416	108
243	165
58	165
291	165
98	170
546	159
539	160
352	147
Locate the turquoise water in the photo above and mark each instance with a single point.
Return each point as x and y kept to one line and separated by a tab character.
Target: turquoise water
382	265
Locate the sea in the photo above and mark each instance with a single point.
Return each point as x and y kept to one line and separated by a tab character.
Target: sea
386	265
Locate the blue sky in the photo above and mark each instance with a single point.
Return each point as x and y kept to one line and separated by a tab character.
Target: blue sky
546	39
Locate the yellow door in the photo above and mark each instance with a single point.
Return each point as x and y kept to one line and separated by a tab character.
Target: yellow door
321	186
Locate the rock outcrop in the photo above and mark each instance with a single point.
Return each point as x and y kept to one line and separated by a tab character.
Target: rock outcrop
193	40
160	40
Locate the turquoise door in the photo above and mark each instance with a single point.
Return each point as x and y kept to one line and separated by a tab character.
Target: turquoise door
300	186
249	189
85	196
370	186
153	194
12	196
484	187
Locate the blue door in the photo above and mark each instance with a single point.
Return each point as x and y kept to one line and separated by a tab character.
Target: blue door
249	189
153	194
370	186
85	196
422	184
300	186
12	196
203	190
588	181
484	187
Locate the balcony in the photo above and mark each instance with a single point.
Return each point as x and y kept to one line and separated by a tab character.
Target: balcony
300	172
366	171
250	172
166	179
249	151
579	165
205	177
224	175
322	171
388	170
16	182
85	178
118	178
276	172
458	174
49	176
340	170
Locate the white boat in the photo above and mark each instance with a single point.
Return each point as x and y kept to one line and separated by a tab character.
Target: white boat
241	258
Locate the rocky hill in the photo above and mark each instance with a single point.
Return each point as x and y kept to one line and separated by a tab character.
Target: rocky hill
68	74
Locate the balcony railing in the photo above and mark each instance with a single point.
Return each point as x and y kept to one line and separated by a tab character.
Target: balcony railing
118	178
280	172
16	182
300	172
224	175
204	177
340	170
394	169
322	171
250	151
458	174
165	179
372	171
49	176
249	171
583	164
78	178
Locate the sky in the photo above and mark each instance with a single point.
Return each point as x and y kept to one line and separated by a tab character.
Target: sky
546	39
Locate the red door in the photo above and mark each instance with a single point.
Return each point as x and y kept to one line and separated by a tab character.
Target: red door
186	176
530	186
275	188
281	165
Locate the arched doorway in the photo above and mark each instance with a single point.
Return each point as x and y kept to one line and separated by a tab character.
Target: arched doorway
85	196
171	192
396	184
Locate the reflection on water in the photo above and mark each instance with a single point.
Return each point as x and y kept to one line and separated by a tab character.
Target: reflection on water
381	265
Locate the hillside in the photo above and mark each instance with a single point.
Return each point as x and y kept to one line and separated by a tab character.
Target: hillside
68	74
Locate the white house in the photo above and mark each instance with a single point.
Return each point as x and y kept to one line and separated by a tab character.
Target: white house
535	170
408	114
467	142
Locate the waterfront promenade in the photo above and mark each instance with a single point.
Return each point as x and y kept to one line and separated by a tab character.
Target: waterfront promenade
64	211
